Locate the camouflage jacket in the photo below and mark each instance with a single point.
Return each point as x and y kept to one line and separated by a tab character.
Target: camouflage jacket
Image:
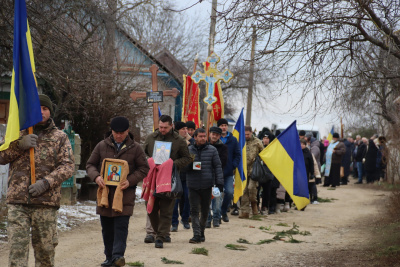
253	147
54	161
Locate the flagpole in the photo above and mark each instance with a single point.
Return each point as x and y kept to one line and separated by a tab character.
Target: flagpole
32	159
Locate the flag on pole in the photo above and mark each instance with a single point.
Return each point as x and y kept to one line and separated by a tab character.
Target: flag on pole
24	110
330	135
284	158
241	170
191	105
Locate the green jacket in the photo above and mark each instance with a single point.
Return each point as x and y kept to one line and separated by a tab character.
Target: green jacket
253	147
54	161
179	150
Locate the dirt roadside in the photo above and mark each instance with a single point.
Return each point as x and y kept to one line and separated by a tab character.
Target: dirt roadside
339	230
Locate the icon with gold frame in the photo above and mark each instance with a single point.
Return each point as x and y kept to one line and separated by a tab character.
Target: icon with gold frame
112	172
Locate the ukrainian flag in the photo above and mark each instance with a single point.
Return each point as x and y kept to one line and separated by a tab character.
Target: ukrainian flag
241	170
284	158
330	135
24	109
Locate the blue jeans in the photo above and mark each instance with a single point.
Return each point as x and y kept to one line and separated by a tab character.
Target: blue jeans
360	171
228	194
216	209
186	207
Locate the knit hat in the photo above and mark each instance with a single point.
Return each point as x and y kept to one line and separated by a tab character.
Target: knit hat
191	125
222	121
119	124
216	130
302	133
45	101
335	135
309	135
179	125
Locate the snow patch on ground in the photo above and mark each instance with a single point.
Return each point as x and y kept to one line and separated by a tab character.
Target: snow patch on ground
70	216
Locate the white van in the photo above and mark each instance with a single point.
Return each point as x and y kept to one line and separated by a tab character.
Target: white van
307	128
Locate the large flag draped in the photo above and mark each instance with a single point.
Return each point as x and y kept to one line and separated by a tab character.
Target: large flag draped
24	109
241	170
191	106
284	158
330	135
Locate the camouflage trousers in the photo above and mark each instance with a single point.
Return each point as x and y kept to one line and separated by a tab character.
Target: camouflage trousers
43	222
249	195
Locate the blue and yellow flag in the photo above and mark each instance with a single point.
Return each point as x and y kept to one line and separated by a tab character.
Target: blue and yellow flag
284	158
330	135
24	109
241	170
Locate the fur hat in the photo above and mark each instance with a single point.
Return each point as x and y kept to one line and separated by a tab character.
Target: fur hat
119	124
179	125
45	101
335	135
191	125
222	121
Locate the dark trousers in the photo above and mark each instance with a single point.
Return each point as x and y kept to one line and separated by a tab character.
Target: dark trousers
264	194
184	206
115	233
200	200
312	189
161	216
334	176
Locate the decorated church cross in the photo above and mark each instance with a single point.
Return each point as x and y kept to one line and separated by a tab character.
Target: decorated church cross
137	95
211	76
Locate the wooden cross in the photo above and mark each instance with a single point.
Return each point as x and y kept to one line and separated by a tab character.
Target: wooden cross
137	95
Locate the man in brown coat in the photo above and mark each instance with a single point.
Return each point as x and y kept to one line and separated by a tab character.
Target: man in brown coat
119	145
161	216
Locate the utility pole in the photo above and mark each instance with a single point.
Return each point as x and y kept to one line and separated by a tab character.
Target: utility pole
251	78
210	50
212	27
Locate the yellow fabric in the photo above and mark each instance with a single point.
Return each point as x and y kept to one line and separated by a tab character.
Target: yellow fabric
239	184
281	165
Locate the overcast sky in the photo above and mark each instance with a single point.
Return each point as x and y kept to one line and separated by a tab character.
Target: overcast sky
279	111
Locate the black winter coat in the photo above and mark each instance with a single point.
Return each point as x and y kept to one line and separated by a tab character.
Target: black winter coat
370	157
211	170
361	150
222	152
309	162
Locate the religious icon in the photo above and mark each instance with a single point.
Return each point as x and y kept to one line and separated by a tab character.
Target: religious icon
161	151
113	171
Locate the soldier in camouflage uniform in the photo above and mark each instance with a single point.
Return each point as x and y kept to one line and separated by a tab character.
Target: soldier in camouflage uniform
253	147
32	208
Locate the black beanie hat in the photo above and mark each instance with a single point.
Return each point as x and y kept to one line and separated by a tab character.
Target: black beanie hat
191	125
222	121
119	124
45	101
216	130
302	133
179	125
335	135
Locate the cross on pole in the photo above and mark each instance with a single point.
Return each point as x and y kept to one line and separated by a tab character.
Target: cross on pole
137	95
211	76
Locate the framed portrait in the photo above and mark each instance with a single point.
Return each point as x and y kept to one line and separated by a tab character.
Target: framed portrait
161	151
113	171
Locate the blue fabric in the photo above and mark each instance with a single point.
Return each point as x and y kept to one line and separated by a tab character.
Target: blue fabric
228	194
328	155
216	209
186	207
233	154
224	139
360	171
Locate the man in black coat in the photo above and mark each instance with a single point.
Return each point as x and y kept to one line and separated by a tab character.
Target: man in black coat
215	135
361	151
201	176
